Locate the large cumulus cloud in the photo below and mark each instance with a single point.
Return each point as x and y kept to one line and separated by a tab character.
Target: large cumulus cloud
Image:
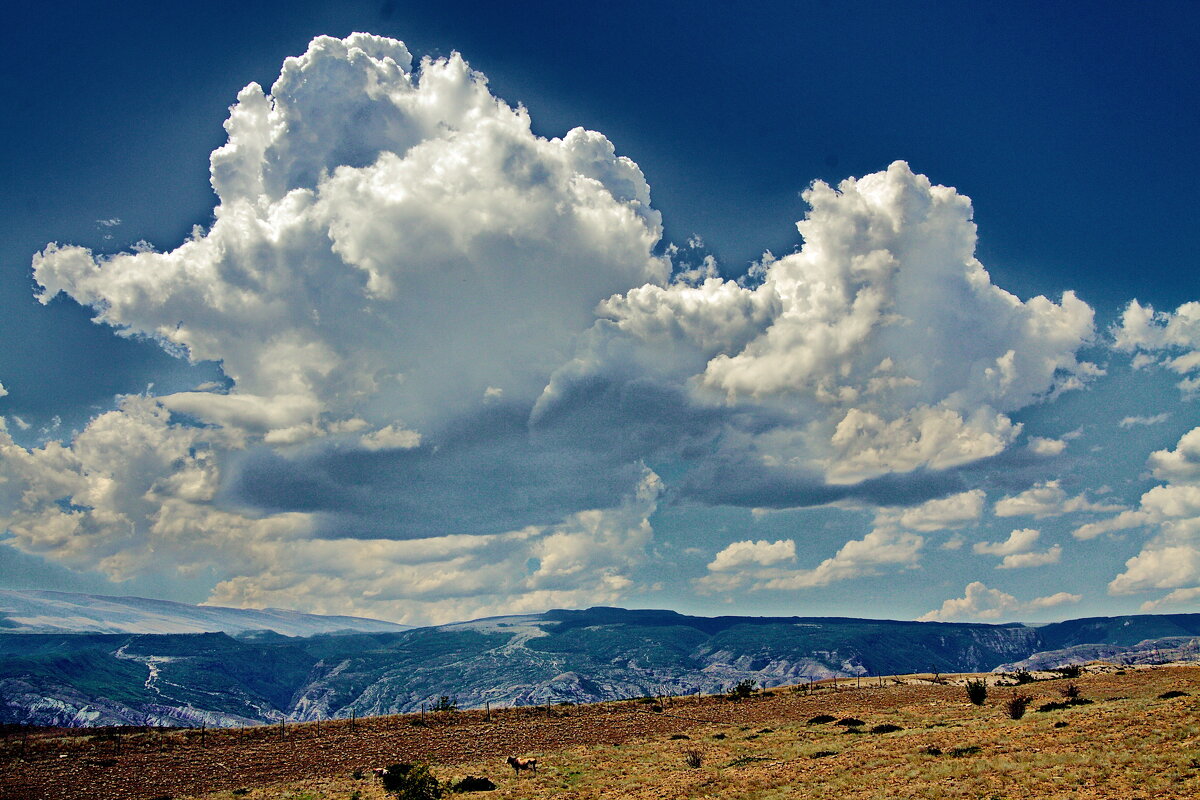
457	364
880	347
389	244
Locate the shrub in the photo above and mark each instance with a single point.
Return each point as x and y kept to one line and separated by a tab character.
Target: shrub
823	754
680	736
850	722
444	703
1171	694
1070	671
886	727
1060	724
411	782
742	690
1016	705
693	758
718	736
473	784
358	774
932	751
977	691
959	752
1023	676
1071	692
821	719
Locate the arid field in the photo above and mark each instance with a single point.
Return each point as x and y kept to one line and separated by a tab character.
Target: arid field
918	739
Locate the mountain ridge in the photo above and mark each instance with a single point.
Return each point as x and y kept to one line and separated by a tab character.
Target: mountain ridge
559	656
46	611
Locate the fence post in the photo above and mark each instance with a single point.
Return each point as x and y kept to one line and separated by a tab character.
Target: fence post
487	707
202	734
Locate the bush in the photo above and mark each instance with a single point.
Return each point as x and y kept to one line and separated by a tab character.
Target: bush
959	752
821	719
1070	671
977	691
411	782
850	722
693	758
1071	692
742	690
886	727
444	703
473	784
1016	705
1171	694
1023	676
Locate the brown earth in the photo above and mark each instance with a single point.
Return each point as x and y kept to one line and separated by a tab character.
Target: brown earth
58	765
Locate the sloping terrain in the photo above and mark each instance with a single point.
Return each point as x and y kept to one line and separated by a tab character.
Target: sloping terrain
1136	737
560	656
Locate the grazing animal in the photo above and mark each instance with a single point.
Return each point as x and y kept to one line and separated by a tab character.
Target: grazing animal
379	771
519	764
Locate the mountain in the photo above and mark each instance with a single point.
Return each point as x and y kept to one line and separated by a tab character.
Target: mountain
66	612
558	656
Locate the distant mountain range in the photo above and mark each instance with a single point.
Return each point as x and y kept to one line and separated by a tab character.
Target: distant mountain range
558	656
68	612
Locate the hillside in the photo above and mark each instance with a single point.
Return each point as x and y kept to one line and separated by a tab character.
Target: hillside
559	656
1134	738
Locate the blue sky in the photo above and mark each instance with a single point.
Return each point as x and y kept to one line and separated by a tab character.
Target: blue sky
432	353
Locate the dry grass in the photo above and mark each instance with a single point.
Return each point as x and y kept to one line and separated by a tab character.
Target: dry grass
1129	743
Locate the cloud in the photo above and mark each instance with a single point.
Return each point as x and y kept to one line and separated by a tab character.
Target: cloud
1169	339
390	437
1018	542
881	347
1170	558
1056	599
389	243
1048	499
1157	419
854	559
590	558
938	514
1046	447
748	553
3	391
981	603
1021	560
435	323
1177	597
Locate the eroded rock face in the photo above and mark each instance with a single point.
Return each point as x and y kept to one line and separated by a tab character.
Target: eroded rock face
556	657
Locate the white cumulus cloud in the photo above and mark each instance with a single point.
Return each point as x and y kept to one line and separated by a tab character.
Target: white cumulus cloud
982	603
753	553
880	347
1048	499
1018	542
1168	338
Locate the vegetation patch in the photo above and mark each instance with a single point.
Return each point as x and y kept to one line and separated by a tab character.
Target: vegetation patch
821	719
886	727
851	722
959	752
1173	694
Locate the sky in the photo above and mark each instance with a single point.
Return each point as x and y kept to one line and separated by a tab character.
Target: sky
428	313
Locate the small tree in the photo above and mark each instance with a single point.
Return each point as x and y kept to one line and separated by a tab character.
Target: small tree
742	690
411	782
444	703
977	690
1071	692
1016	705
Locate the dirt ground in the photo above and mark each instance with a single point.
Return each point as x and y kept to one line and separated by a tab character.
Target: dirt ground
749	749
